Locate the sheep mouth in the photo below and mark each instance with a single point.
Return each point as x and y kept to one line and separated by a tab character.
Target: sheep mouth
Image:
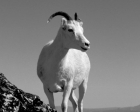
84	49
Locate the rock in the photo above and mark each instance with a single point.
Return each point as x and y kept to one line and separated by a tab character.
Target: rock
13	99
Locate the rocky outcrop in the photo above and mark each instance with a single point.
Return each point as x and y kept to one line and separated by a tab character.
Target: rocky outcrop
13	99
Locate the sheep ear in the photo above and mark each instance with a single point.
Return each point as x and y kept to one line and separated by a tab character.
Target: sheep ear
63	22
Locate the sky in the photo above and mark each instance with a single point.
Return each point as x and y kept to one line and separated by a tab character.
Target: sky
111	26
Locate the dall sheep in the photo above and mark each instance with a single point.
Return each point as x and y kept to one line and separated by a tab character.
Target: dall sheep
63	64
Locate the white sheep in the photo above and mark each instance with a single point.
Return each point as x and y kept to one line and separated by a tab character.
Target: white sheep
63	64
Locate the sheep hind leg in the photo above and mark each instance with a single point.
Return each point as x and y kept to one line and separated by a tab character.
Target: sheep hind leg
74	101
50	97
82	91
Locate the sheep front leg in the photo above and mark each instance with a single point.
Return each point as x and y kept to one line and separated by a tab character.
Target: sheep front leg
74	101
50	97
66	95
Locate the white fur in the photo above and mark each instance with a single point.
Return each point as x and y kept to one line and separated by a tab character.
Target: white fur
63	65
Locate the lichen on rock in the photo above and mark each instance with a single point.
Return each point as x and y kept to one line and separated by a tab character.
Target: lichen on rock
13	99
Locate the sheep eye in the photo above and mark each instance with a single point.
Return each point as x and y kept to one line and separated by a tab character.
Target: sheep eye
64	28
70	30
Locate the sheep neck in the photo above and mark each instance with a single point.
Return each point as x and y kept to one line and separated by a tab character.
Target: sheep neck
58	44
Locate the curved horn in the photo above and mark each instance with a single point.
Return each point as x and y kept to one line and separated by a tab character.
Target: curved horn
76	17
61	14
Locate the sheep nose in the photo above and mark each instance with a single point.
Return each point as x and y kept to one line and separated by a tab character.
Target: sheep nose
87	44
